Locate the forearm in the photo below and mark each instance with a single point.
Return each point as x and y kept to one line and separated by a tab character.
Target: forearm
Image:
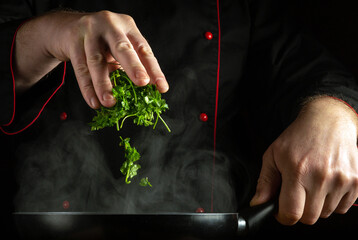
32	55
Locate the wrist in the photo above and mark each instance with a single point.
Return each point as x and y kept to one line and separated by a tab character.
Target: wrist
333	109
31	56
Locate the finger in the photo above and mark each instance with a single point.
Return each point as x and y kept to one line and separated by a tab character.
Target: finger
291	201
330	205
79	63
97	66
269	181
347	201
313	206
123	51
149	61
338	195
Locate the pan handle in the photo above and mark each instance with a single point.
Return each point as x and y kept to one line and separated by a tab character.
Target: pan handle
250	219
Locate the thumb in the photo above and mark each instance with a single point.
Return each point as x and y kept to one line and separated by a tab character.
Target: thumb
269	180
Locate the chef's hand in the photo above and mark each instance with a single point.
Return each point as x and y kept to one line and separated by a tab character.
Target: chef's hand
90	41
313	164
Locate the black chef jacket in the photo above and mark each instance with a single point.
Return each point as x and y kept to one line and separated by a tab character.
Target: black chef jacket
237	74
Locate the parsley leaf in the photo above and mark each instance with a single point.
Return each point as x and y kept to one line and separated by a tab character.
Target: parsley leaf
143	104
129	168
145	182
140	103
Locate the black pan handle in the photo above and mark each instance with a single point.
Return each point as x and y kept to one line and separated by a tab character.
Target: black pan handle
252	218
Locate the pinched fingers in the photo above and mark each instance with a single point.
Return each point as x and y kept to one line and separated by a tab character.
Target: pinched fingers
97	65
133	52
84	79
148	59
105	36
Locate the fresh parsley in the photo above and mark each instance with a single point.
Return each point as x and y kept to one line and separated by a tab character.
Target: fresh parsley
144	104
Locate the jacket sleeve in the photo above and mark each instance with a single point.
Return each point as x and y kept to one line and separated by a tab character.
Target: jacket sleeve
19	112
290	67
7	94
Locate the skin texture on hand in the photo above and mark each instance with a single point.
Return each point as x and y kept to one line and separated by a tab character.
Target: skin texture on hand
90	41
313	165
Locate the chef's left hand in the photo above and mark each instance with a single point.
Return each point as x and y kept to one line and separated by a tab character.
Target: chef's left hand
313	165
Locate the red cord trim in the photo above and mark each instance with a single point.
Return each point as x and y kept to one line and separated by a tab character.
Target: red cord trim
14	92
216	105
42	108
345	103
12	75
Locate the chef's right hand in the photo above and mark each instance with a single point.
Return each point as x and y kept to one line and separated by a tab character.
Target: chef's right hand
91	41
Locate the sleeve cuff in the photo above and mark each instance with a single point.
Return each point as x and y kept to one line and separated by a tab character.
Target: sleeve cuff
12	122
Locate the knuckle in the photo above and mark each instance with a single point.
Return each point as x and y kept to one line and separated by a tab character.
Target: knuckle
264	180
127	18
87	88
105	14
321	176
289	217
301	169
82	69
86	21
145	50
102	85
123	46
96	58
341	179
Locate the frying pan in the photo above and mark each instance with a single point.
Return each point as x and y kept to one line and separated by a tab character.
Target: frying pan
82	225
93	225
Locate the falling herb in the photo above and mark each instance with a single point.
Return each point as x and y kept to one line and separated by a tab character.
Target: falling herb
145	182
143	104
129	167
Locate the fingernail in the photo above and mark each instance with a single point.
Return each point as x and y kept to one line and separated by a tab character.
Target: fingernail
93	102
162	85
140	75
108	97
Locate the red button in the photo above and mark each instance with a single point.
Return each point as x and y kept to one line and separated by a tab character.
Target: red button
203	117
208	35
66	204
63	116
200	210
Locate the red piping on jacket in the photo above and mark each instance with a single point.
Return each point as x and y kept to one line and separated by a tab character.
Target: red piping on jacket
216	105
346	104
14	92
12	75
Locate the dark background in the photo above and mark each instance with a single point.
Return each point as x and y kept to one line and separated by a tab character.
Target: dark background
334	23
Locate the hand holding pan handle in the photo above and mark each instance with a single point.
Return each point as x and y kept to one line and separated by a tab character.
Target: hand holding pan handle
250	219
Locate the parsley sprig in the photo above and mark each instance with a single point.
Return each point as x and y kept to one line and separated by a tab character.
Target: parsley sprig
129	167
140	103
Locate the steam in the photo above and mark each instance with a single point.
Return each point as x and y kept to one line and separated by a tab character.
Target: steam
73	164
